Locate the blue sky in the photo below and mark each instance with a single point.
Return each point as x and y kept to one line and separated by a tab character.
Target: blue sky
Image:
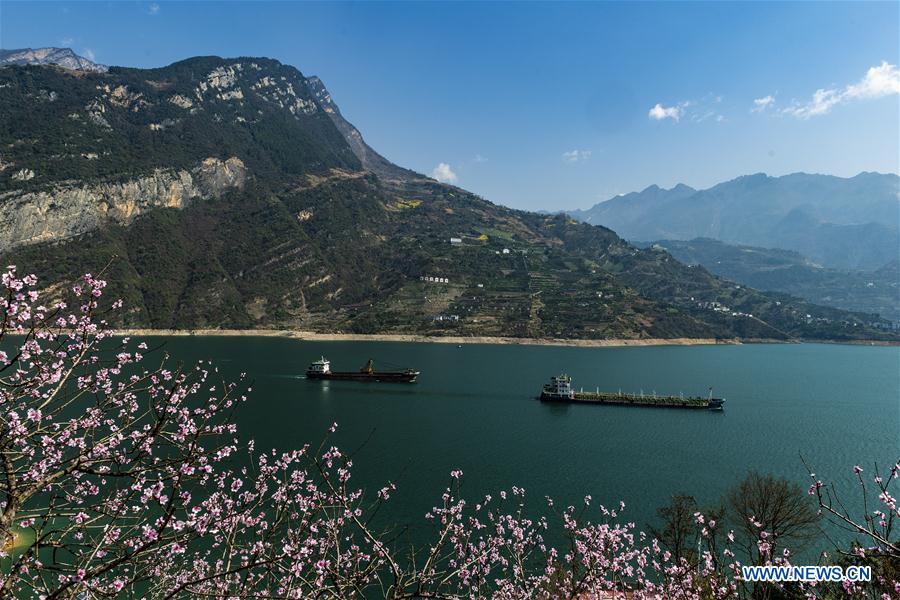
549	105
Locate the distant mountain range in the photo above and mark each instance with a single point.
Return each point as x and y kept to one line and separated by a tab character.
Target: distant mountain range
790	272
61	57
233	193
843	223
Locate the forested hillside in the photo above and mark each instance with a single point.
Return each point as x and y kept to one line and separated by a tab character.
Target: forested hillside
231	193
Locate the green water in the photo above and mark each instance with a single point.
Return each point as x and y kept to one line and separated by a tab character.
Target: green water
474	408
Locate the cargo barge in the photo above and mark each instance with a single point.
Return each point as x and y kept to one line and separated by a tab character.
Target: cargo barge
321	369
560	390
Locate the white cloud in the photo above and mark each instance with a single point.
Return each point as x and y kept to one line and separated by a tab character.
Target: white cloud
443	173
660	112
883	80
480	159
89	54
153	9
576	155
761	104
696	111
821	104
880	81
66	42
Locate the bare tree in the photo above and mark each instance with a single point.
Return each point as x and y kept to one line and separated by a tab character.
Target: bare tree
678	533
770	512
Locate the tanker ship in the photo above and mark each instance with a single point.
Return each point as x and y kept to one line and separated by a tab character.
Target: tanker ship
560	390
321	369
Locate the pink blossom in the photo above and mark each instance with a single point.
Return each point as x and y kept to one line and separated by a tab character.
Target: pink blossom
159	493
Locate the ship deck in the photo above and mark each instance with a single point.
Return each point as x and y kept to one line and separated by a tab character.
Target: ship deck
375	376
624	399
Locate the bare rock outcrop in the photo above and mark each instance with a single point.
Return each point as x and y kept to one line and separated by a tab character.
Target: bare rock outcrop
67	210
61	57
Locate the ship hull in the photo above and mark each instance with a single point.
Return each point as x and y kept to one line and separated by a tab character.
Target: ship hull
612	399
374	377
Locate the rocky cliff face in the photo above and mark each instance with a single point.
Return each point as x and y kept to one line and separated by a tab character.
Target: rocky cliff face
129	123
370	159
108	145
61	57
326	234
68	210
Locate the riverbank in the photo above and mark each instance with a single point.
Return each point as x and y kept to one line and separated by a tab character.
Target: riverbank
388	337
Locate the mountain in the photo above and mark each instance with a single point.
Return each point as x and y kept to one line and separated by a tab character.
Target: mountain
232	193
622	210
843	223
790	272
61	57
370	159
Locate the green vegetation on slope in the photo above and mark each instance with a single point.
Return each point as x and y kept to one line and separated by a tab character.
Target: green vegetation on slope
875	292
312	241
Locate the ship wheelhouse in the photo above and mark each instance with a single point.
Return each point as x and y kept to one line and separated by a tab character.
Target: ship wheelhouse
559	388
321	366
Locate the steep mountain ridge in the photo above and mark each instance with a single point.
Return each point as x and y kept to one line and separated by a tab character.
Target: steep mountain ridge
369	158
848	223
128	122
314	231
620	211
61	57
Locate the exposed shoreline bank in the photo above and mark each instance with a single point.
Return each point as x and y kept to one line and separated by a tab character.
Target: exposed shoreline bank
313	336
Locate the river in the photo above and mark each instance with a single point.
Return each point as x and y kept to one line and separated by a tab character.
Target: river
474	409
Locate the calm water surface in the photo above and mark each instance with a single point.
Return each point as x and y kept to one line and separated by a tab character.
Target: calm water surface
474	408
